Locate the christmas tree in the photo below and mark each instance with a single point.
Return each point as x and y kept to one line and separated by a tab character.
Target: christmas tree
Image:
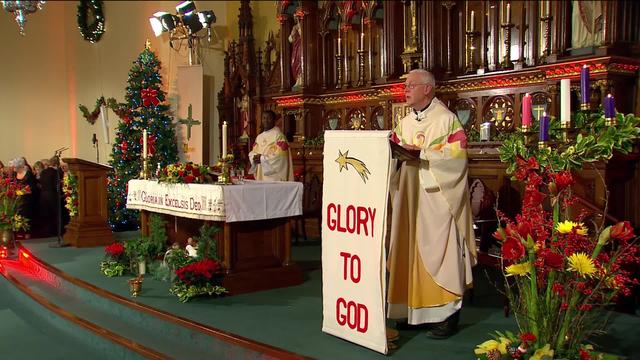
145	108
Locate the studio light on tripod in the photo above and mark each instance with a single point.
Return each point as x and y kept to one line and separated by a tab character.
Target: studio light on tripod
186	7
162	22
184	25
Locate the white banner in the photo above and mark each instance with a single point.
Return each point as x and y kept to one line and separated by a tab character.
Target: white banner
354	205
253	200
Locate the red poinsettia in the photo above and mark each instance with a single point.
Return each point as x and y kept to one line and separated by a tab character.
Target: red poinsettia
114	250
200	272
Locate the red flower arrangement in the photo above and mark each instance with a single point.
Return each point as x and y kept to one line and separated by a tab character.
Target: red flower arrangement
114	250
200	272
184	173
564	272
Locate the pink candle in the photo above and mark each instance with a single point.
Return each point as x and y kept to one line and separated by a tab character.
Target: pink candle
526	110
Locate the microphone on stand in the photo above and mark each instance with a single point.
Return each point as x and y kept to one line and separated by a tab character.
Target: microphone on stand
94	141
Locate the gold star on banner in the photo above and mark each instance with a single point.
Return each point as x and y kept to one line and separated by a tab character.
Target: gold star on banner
342	160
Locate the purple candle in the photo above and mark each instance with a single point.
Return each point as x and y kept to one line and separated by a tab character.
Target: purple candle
544	127
584	86
609	107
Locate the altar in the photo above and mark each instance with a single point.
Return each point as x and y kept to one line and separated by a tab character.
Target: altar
254	244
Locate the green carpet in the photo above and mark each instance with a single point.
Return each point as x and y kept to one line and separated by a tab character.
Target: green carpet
291	318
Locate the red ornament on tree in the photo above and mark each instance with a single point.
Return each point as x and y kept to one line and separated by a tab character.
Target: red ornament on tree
124	146
149	96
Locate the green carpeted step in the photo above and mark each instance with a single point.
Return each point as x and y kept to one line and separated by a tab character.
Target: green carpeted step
165	337
30	331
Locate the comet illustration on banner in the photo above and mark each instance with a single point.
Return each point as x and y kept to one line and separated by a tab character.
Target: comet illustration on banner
343	160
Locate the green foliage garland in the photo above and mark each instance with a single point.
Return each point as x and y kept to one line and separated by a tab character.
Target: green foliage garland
93	31
594	141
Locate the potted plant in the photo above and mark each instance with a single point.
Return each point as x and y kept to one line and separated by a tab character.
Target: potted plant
11	195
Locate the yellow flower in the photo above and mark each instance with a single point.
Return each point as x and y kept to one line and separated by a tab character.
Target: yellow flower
20	192
518	269
486	346
582	264
502	347
566	226
540	354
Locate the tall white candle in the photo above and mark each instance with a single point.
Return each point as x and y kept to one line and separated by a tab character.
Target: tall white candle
565	101
144	143
473	20
224	139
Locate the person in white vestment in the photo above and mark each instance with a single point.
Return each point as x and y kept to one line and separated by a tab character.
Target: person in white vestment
270	157
432	246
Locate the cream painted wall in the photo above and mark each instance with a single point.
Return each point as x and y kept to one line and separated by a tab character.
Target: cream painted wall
47	73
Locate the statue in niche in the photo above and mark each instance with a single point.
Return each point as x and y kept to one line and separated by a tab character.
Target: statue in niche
295	38
243	106
586	24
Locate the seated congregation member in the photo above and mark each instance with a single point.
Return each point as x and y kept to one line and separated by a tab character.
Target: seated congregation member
24	176
432	242
270	158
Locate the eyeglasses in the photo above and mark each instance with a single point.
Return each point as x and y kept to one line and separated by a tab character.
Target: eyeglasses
412	86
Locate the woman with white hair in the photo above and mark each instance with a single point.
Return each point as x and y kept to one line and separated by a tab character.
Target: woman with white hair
29	201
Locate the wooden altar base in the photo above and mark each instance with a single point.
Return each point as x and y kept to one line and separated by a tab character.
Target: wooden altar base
255	254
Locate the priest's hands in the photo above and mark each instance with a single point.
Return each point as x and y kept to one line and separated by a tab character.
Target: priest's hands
256	159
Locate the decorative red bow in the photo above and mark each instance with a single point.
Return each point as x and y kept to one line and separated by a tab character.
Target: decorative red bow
149	96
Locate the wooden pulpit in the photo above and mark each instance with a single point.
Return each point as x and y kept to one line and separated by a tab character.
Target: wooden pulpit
89	227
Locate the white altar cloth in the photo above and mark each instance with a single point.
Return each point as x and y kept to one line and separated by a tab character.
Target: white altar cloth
253	200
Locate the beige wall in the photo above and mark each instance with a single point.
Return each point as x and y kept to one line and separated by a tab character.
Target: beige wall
47	73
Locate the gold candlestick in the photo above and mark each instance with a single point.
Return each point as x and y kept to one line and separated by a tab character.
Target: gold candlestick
144	172
566	131
339	71
547	37
360	67
471	63
224	178
506	63
528	133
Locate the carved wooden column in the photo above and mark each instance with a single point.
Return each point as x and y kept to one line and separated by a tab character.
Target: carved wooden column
285	53
325	17
391	41
369	7
448	5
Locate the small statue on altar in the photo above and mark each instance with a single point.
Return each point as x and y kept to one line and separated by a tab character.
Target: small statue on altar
295	38
192	247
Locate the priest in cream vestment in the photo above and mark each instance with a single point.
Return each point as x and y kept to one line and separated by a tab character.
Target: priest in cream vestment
432	244
270	157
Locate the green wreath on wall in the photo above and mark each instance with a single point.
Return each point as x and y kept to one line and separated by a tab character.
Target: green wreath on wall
91	20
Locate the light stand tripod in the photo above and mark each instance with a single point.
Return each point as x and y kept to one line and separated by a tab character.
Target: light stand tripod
59	243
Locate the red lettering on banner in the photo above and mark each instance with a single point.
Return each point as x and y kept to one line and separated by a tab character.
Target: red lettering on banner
352	314
354	219
355	266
